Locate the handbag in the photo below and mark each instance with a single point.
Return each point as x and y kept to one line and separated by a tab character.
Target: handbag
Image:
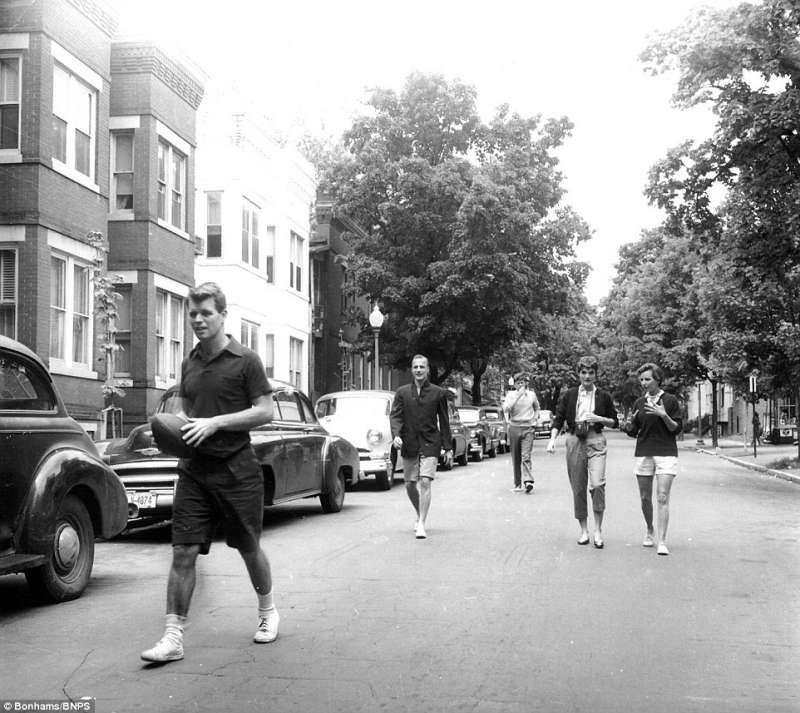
582	429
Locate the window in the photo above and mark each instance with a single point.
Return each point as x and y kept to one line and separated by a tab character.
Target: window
269	356
287	406
122	170
296	262
70	310
74	105
23	388
250	335
269	253
296	363
9	102
8	293
214	224
171	185
122	357
250	234
169	336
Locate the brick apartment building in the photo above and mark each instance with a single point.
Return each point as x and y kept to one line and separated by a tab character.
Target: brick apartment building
95	136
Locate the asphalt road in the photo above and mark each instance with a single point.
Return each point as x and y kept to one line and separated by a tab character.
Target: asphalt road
498	611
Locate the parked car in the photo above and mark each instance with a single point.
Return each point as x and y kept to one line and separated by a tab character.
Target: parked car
460	439
362	417
57	494
298	457
783	433
543	423
496	420
482	441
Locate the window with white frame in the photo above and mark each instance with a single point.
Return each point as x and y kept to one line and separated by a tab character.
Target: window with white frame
296	362
250	252
296	262
269	253
249	335
9	102
214	224
171	185
70	310
269	355
74	122
122	337
8	293
122	170
169	336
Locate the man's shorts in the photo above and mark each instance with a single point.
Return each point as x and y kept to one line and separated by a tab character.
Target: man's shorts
656	465
419	467
214	491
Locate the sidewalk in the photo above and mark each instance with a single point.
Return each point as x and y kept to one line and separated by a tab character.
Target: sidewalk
734	451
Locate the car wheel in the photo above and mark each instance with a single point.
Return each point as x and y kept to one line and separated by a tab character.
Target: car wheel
333	499
385	479
478	457
69	563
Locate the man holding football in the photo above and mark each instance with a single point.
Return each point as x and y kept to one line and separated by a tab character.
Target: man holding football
225	392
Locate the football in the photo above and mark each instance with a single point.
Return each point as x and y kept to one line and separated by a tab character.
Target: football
166	429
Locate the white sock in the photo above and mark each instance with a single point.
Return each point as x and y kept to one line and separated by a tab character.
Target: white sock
265	603
174	624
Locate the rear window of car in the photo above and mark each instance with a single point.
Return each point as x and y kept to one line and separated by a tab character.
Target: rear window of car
22	389
469	415
491	415
353	406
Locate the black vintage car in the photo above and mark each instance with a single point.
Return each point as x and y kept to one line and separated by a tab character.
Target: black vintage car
57	494
483	439
298	457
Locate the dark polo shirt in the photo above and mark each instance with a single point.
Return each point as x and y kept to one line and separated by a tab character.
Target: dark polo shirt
230	381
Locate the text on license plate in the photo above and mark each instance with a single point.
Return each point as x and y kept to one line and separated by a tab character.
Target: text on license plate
143	501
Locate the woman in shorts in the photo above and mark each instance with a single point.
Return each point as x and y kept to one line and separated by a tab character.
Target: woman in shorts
655	422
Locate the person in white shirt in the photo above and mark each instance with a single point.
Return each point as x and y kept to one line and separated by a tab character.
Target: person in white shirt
521	408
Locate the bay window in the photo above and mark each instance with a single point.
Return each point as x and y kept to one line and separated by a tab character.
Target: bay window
70	310
171	185
74	122
8	293
169	336
9	102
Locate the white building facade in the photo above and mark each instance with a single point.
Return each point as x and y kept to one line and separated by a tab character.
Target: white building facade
254	200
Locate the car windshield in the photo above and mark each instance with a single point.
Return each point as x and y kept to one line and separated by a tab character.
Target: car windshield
469	415
492	415
353	407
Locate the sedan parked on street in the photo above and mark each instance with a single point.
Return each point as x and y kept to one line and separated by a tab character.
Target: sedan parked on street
298	457
57	494
483	441
459	433
496	420
543	423
362	417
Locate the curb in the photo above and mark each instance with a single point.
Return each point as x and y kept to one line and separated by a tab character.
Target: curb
791	477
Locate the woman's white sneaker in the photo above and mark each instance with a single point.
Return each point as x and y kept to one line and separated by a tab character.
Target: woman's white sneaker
267	627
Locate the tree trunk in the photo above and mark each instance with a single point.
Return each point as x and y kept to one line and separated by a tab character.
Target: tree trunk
478	368
714	414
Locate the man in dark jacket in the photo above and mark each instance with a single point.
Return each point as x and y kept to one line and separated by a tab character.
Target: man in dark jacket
586	410
421	430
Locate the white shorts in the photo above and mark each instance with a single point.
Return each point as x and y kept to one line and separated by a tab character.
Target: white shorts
656	465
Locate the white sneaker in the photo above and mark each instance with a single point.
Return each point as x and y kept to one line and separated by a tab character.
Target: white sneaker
528	486
648	540
267	627
662	548
420	531
516	489
167	649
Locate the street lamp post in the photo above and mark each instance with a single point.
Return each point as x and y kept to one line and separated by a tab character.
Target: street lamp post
753	384
376	318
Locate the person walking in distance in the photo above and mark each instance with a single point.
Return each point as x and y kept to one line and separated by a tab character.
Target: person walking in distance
421	430
586	410
225	392
655	422
521	408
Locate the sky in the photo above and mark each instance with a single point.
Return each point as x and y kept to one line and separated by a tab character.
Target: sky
309	64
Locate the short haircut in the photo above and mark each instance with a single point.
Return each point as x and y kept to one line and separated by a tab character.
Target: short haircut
658	373
212	290
421	356
522	376
587	362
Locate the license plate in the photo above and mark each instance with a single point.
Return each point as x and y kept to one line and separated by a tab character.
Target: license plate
144	501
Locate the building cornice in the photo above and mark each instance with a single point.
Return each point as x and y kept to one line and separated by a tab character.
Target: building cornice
139	58
100	13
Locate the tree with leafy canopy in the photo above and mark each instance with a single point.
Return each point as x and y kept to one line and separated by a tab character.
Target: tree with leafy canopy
745	63
467	242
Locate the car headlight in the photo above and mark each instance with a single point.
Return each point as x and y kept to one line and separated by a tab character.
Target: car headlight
374	436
